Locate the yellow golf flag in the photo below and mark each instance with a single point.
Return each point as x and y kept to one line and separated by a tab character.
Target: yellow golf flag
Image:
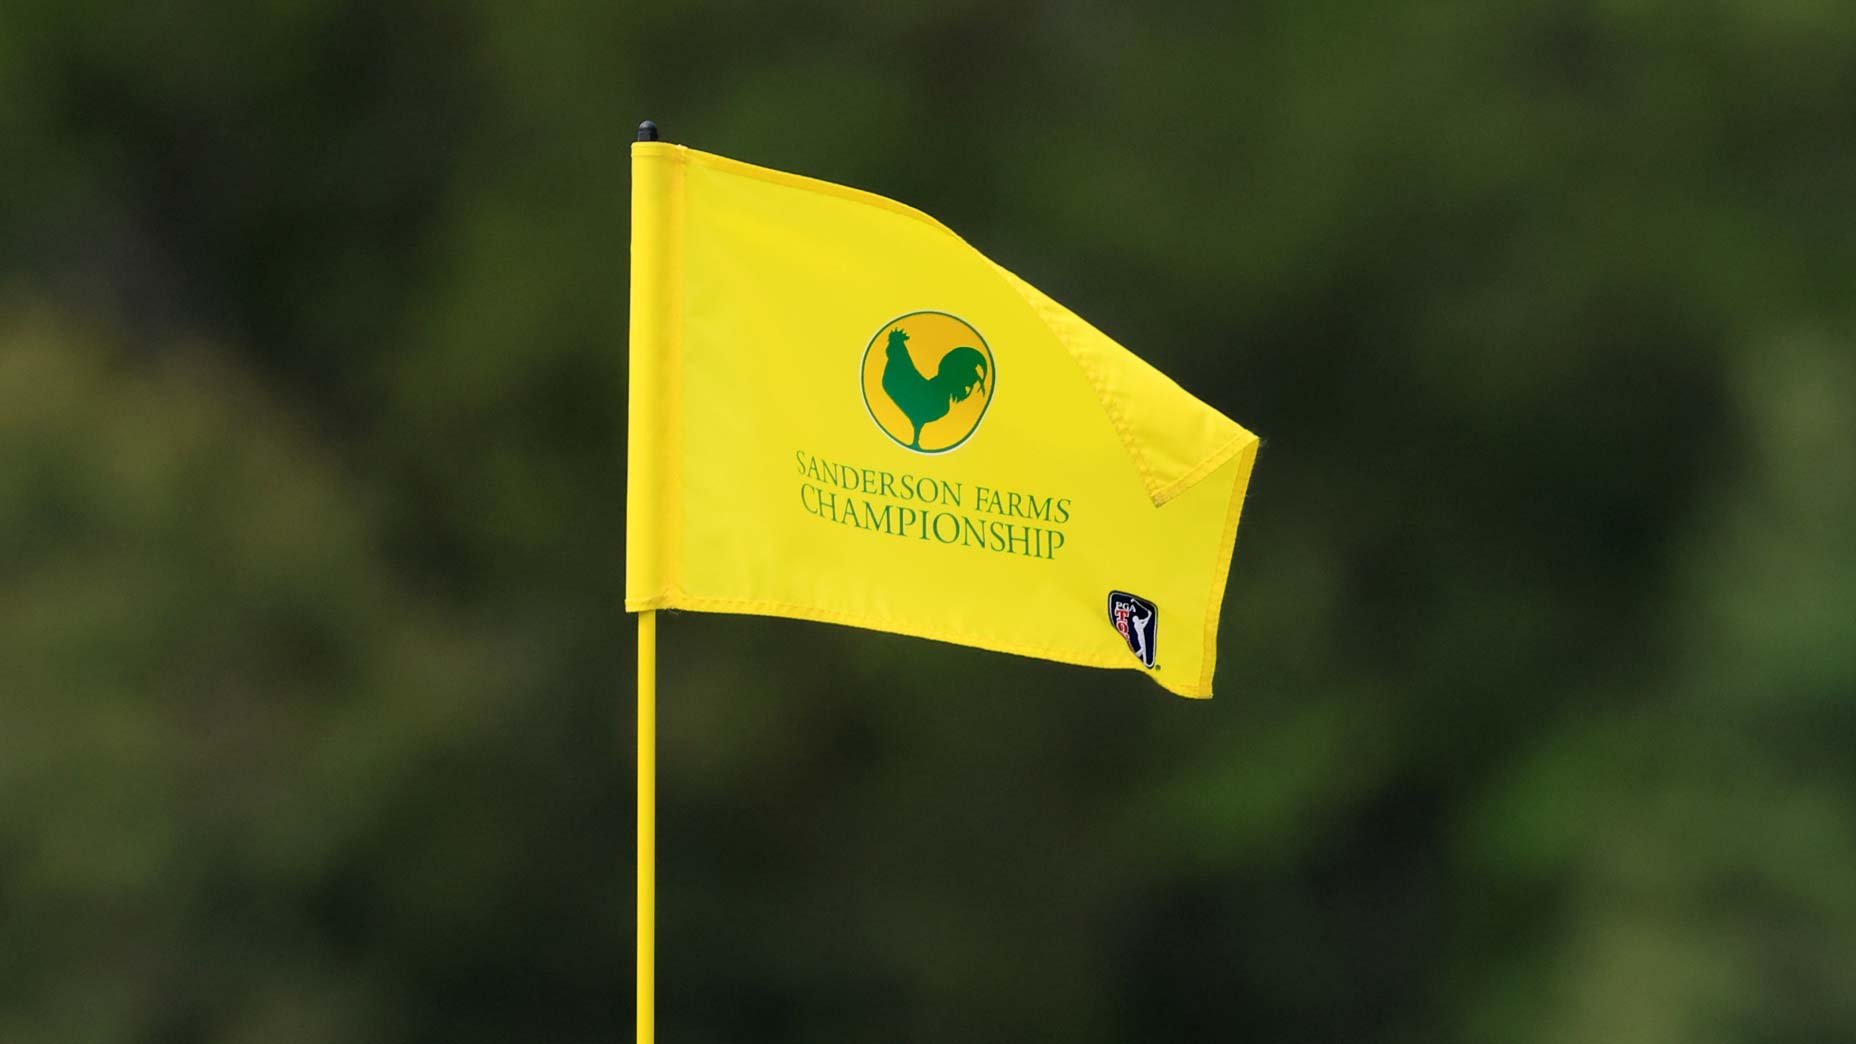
842	412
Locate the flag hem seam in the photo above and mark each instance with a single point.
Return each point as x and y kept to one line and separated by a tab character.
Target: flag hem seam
1218	458
1045	310
798	181
679	599
1221	565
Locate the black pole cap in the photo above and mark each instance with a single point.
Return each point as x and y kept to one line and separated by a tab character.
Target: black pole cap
647	131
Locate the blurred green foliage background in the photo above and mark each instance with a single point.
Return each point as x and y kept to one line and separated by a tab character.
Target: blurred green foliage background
1538	680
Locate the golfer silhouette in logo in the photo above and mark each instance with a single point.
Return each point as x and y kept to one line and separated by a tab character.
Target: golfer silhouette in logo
1140	618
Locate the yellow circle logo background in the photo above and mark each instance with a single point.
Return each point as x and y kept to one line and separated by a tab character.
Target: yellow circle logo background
939	374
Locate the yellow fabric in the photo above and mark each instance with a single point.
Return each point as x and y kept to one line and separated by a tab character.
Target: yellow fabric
772	465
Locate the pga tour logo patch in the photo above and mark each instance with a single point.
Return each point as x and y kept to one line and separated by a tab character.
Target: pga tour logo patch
1138	621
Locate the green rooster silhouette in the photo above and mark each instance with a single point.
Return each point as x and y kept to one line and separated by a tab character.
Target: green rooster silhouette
926	399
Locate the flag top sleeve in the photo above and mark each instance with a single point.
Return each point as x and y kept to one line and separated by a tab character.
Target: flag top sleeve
841	411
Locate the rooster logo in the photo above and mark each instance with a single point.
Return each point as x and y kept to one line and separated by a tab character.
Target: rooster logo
928	378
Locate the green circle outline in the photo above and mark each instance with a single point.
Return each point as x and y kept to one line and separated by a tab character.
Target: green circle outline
864	361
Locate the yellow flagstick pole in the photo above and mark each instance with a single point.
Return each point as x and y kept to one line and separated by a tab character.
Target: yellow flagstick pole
647	826
647	666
